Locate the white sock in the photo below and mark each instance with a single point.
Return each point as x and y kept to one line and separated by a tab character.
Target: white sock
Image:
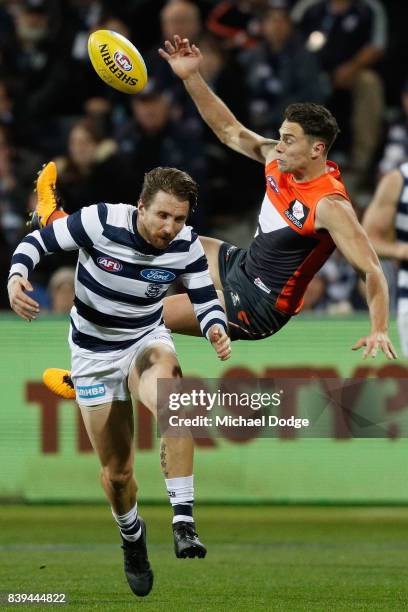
129	524
181	496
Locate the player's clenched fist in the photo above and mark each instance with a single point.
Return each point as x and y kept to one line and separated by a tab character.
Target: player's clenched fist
220	341
20	302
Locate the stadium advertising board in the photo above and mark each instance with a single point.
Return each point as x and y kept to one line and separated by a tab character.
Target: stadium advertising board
353	451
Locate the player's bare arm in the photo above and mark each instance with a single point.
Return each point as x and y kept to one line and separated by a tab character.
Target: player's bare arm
185	60
379	219
336	215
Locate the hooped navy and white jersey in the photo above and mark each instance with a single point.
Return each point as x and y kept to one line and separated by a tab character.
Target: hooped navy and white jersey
121	279
401	230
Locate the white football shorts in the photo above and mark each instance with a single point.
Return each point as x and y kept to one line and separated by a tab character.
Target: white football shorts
402	320
97	381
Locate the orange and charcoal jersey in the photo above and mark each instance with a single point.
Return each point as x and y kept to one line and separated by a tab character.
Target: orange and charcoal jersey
287	251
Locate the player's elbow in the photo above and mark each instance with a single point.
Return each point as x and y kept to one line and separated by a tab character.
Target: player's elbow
226	135
230	134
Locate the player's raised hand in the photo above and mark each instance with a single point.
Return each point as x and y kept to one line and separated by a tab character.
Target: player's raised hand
20	302
221	342
184	59
374	342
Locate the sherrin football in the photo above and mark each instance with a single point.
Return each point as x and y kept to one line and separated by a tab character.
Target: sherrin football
117	61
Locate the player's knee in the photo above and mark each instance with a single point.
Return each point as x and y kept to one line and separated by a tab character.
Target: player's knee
118	480
147	359
159	356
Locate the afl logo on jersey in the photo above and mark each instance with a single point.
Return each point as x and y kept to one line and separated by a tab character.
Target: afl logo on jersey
109	264
272	183
153	275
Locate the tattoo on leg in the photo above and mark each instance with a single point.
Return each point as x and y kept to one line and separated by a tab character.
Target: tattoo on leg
163	459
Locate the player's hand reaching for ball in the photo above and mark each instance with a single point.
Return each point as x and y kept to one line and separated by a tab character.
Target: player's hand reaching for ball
20	302
220	341
374	342
184	59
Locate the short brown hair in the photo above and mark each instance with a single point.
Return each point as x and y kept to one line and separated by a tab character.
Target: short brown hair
315	119
172	181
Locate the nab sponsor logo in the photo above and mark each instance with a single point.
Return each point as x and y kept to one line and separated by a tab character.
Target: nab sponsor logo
154	275
108	264
91	391
122	61
272	183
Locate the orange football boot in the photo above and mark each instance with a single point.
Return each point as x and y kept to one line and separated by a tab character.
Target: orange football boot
47	209
59	382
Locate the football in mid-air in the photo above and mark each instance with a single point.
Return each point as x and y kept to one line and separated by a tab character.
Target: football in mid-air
117	61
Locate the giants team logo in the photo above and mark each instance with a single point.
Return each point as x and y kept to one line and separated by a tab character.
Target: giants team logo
297	213
154	275
272	184
122	61
109	264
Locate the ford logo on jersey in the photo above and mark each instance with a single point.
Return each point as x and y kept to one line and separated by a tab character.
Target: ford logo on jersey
108	264
153	275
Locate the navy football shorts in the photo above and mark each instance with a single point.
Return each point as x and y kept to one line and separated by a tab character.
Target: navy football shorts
251	316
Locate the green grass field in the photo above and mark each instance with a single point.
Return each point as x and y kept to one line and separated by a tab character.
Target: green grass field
259	558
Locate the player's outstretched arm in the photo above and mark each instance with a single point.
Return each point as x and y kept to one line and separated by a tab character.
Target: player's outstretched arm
185	60
336	215
81	229
379	219
25	258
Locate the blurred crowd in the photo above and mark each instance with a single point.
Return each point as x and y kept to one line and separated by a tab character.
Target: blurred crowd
259	56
